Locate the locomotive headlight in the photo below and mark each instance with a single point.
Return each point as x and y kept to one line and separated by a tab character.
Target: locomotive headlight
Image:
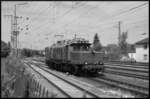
101	63
85	63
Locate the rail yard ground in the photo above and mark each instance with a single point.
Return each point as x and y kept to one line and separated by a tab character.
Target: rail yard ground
12	77
17	74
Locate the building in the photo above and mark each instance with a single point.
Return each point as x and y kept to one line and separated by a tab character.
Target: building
131	51
142	50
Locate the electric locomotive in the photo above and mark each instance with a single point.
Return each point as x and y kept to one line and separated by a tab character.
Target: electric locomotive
74	56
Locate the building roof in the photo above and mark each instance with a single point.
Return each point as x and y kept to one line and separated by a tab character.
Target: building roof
144	41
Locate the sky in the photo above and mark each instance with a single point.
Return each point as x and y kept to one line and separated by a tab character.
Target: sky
47	19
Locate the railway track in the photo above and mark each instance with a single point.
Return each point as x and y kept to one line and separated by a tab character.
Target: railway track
130	72
144	77
62	91
138	65
132	66
127	68
124	85
126	63
143	91
89	93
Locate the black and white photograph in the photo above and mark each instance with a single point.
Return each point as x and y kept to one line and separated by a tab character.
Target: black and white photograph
74	49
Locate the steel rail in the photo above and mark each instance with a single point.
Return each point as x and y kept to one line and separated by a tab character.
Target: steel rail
116	84
50	81
92	94
126	88
123	65
123	68
127	74
121	82
128	63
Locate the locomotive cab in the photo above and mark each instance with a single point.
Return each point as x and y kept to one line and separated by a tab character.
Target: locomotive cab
81	47
83	56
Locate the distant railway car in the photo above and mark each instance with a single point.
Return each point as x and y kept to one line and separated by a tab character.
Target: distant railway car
74	56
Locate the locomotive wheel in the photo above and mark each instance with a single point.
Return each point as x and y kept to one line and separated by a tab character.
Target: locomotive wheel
56	66
64	67
72	69
47	62
49	65
60	67
53	66
76	70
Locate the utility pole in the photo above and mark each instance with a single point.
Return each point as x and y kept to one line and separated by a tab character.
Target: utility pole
75	36
11	36
119	30
16	32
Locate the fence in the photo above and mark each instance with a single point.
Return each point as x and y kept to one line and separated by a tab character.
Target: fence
37	90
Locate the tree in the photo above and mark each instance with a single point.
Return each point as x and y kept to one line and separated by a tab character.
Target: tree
113	52
123	44
96	43
5	50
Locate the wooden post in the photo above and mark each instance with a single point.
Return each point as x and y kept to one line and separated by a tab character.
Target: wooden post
47	94
84	94
37	88
43	92
40	91
30	94
35	85
32	87
53	95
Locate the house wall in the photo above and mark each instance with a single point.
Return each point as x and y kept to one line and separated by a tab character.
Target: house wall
131	55
142	54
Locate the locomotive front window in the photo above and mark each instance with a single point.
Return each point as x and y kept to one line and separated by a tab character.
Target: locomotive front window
85	47
76	48
81	47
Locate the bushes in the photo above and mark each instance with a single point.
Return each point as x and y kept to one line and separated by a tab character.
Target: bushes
4	54
5	49
26	52
30	52
13	69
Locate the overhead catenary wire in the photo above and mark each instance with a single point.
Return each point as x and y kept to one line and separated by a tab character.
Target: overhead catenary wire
71	21
87	11
23	23
116	22
68	11
41	11
43	24
128	10
141	5
119	13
